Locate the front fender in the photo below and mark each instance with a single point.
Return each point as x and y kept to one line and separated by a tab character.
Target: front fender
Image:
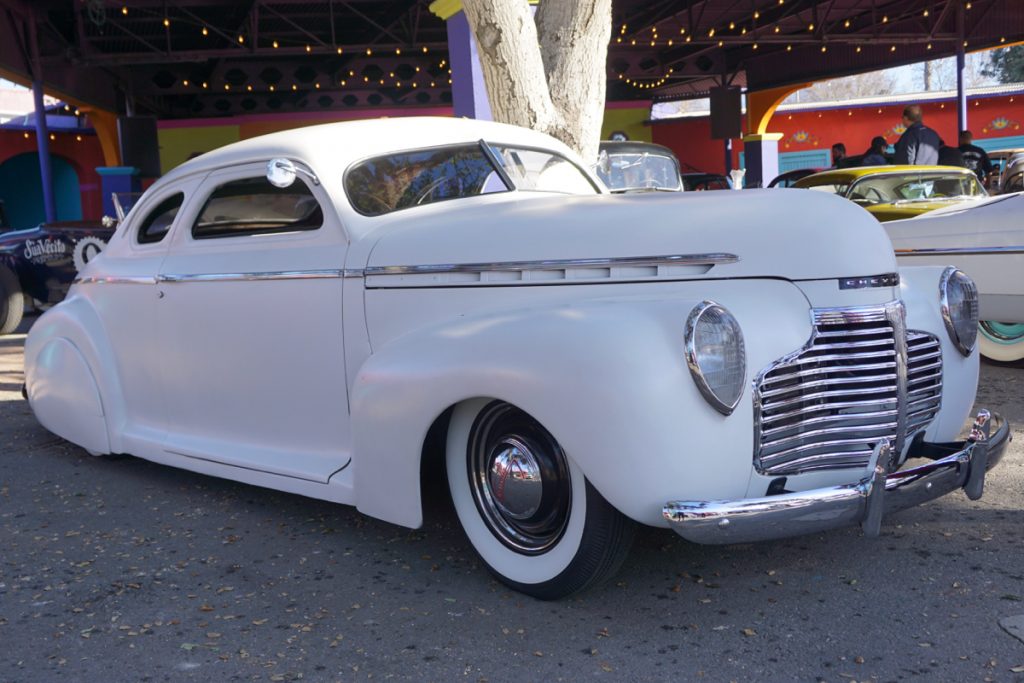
919	289
607	377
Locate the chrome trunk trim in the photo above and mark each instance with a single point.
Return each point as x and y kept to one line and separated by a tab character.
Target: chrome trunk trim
247	277
116	280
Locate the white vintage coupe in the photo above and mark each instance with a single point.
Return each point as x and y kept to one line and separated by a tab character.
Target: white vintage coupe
341	311
986	241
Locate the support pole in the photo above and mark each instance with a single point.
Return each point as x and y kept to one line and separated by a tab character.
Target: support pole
42	130
961	95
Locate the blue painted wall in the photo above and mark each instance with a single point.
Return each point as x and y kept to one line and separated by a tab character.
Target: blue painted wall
21	190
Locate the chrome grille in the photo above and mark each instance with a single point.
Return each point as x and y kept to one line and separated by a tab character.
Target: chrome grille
827	405
924	380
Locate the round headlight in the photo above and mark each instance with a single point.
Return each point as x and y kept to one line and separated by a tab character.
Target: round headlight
716	356
958	297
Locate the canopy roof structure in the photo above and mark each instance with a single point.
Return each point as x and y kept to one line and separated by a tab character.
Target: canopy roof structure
221	57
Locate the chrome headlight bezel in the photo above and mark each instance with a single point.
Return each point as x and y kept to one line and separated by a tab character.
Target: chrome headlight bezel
967	341
693	360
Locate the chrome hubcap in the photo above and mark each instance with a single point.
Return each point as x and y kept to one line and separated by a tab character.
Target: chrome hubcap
519	478
515	480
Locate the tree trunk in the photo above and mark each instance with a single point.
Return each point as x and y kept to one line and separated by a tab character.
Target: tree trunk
547	75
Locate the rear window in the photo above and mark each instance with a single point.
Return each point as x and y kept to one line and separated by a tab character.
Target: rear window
160	219
252	206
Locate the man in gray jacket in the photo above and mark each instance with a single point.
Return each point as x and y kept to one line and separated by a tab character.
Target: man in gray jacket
919	144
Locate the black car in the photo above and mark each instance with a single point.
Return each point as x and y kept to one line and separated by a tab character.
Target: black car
699	182
788	178
40	263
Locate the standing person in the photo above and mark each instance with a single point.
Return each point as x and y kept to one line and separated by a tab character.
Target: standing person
919	144
838	154
975	158
950	156
875	156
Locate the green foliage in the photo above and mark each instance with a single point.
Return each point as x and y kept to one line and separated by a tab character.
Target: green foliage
1007	65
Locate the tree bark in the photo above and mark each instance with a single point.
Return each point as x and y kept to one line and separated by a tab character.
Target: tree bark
548	74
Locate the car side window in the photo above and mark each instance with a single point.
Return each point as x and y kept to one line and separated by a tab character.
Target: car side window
252	206
159	221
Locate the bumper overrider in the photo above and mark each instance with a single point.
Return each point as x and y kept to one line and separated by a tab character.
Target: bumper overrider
956	465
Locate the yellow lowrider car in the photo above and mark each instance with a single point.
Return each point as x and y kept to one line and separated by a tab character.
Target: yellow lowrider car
894	192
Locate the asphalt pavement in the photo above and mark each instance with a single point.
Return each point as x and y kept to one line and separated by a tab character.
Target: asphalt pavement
122	570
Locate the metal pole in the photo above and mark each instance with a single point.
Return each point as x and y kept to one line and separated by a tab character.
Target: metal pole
961	95
42	130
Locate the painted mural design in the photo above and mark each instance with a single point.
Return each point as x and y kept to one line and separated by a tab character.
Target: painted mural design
802	137
1001	124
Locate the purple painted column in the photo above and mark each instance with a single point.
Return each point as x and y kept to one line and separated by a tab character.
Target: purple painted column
469	94
43	145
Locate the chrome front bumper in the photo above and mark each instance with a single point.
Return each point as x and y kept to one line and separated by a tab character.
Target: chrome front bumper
959	465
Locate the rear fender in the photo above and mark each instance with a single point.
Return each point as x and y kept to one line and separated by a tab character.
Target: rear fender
71	372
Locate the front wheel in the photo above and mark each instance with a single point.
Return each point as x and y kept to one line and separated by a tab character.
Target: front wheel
526	508
1001	342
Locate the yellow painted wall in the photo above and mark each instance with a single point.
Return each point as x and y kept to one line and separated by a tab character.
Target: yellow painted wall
630	121
178	144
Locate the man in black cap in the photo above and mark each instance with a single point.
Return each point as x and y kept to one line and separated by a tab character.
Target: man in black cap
975	158
919	144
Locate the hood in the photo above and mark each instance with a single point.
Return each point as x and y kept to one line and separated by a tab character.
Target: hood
791	234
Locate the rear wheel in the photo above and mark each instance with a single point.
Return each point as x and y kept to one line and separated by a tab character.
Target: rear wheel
12	301
1001	342
527	509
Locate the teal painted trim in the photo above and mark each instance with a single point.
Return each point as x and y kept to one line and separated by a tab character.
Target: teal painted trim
1008	334
117	170
791	161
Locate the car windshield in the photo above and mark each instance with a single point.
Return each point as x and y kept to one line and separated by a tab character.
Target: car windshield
835	188
639	171
915	187
406	179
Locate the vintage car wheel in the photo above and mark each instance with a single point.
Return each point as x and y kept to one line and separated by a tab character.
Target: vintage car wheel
529	512
12	301
1001	342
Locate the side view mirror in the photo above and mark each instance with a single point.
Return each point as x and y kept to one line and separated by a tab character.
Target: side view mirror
604	163
280	172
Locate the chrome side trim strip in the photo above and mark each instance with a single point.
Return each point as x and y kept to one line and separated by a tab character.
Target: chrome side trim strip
960	251
558	264
245	277
116	280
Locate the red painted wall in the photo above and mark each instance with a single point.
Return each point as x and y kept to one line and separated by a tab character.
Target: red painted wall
987	117
84	156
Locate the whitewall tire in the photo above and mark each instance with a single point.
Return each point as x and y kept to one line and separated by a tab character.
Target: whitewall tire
1001	342
526	507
